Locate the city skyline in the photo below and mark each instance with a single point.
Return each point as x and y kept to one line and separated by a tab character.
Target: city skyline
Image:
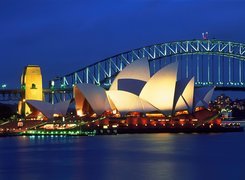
63	37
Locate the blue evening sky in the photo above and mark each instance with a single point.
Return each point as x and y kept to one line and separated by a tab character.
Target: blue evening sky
65	35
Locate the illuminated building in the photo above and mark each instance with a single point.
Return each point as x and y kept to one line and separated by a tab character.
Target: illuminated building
134	90
160	89
92	99
31	85
43	110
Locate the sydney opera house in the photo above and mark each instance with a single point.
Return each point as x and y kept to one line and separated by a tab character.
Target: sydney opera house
138	101
135	92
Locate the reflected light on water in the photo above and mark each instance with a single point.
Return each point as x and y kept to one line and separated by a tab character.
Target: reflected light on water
143	156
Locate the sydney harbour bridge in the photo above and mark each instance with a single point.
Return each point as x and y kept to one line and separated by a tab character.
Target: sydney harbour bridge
212	63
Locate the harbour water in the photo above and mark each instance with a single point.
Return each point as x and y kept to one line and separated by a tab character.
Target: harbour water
130	156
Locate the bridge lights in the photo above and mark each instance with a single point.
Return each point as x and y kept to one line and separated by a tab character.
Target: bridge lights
23	86
63	86
51	85
4	86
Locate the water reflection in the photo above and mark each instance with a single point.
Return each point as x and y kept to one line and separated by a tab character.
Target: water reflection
145	156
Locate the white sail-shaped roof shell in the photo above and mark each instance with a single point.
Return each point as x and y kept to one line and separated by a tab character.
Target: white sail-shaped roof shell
138	69
209	95
48	109
126	102
184	95
203	96
95	96
160	89
61	107
45	108
181	104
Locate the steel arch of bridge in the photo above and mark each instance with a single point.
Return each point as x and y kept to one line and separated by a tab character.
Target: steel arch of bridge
102	72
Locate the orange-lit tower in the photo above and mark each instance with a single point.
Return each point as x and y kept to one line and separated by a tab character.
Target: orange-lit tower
32	88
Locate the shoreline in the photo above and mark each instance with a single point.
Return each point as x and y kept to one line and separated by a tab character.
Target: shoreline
118	131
